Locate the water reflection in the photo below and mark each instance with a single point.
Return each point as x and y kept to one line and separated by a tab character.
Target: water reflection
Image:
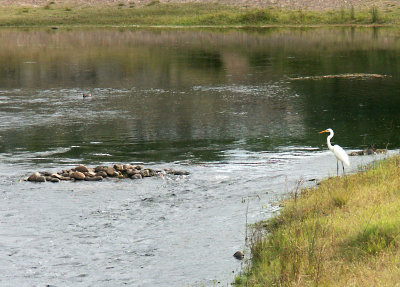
168	95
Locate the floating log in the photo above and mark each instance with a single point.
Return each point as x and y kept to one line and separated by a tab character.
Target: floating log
343	76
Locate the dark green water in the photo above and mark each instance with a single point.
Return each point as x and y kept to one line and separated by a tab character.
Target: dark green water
173	95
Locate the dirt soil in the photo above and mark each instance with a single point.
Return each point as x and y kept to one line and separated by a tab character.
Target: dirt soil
288	4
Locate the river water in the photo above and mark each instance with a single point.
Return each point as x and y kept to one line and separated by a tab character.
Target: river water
221	104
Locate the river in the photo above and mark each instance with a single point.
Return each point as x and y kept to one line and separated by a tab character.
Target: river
234	108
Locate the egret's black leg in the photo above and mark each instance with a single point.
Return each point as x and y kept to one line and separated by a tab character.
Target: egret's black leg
337	168
343	168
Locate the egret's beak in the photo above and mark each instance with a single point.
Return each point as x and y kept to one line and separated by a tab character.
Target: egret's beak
325	131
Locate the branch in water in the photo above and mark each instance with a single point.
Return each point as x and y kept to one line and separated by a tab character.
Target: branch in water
345	76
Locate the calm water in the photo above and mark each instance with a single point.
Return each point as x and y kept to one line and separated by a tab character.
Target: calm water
219	104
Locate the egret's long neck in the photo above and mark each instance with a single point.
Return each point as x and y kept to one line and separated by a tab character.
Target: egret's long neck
328	141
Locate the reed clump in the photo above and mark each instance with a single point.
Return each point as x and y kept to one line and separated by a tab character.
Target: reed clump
344	231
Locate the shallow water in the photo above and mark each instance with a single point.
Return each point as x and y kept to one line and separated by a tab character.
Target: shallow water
220	105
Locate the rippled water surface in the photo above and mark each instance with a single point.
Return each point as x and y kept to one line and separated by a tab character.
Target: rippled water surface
223	105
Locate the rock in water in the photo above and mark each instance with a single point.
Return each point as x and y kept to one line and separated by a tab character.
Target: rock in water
82	172
36	177
89	173
81	168
132	172
33	176
118	167
128	166
111	171
101	173
145	173
239	255
78	175
100	168
56	175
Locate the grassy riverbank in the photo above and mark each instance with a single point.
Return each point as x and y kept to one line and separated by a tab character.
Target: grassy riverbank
344	232
189	14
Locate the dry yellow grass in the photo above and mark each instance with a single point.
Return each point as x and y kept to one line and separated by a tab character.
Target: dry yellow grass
345	232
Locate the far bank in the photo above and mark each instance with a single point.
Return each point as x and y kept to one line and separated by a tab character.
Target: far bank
190	15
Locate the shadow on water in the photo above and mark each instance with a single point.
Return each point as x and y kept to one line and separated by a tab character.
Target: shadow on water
221	105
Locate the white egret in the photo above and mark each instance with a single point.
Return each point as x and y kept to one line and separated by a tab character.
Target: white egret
337	150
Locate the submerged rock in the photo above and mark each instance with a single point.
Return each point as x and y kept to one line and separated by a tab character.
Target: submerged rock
239	255
137	176
175	172
94	178
179	172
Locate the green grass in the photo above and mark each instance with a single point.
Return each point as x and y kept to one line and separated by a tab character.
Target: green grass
188	14
344	232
